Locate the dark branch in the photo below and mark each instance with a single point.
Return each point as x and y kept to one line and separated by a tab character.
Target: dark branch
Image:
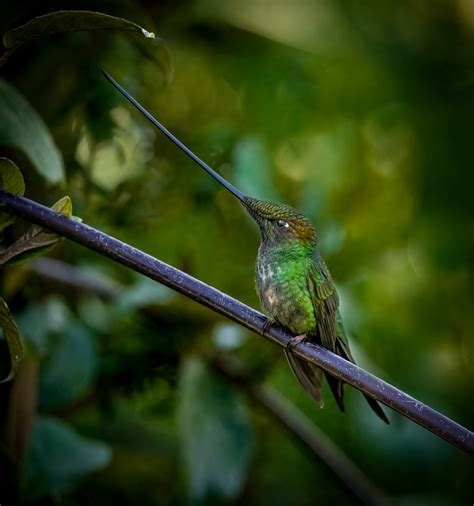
73	277
302	430
231	308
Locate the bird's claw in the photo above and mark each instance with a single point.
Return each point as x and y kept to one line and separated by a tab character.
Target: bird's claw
294	341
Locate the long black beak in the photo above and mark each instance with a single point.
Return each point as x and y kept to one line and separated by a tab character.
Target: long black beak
178	143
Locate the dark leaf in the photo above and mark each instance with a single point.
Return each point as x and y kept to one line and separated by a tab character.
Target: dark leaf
68	368
13	338
21	127
37	240
11	180
58	457
68	21
215	433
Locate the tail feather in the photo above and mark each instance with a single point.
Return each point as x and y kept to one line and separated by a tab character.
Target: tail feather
337	389
344	351
309	376
377	409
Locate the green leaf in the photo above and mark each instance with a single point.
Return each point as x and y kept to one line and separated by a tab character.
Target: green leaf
42	320
68	21
22	127
67	350
37	240
68	368
215	433
13	338
63	206
58	457
11	180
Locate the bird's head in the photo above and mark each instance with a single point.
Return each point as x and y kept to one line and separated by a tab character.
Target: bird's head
280	224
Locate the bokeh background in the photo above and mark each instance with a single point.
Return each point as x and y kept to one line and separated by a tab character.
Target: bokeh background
358	114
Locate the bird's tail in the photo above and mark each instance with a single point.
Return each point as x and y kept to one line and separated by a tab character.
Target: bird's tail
377	409
337	389
342	349
309	376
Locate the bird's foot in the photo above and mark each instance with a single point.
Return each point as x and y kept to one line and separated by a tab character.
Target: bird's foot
268	323
294	341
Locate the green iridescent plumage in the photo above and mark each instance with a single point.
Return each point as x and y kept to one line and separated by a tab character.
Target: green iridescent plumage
296	290
292	280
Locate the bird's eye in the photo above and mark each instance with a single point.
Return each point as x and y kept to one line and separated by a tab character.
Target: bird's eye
281	224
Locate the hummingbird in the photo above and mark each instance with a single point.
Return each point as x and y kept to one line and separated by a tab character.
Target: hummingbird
293	282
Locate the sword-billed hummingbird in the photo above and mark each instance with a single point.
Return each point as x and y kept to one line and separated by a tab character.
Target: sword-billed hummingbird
293	282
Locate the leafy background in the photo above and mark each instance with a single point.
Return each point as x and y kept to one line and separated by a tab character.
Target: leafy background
358	114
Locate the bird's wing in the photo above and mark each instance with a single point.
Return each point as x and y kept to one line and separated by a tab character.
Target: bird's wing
331	330
342	342
325	301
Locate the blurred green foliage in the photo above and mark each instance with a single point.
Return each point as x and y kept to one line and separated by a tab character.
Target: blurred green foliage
358	114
